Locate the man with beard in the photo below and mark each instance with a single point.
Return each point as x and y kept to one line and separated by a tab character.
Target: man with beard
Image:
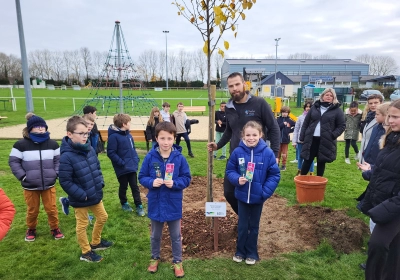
241	108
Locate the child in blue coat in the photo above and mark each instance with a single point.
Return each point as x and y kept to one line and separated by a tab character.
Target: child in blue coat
252	169
165	172
125	160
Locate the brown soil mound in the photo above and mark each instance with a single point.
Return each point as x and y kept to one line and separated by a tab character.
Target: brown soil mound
283	229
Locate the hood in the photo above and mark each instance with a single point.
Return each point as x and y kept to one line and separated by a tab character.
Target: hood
333	106
176	150
25	133
114	129
347	111
261	145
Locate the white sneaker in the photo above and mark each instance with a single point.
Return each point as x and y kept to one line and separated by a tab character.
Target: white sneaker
250	261
294	161
315	164
237	259
356	157
347	160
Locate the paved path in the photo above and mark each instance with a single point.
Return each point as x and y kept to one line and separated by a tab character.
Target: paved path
57	128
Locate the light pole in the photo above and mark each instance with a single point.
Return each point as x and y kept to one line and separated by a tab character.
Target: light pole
276	59
166	56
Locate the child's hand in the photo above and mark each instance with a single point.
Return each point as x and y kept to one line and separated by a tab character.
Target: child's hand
364	166
157	182
169	183
242	181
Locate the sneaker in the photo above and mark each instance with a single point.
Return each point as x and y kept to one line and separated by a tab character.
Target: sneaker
356	157
57	234
153	266
347	160
294	161
191	155
126	207
140	211
222	157
178	269
283	168
91	257
104	244
30	235
237	258
64	205
250	261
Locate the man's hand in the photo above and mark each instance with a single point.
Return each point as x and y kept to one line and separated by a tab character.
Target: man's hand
169	183
157	182
242	181
212	146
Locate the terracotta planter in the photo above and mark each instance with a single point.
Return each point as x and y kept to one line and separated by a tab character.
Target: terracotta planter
310	188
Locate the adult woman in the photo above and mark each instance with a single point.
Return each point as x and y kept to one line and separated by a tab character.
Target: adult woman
369	123
323	124
381	203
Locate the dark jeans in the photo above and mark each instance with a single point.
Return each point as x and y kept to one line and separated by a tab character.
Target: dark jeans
229	193
313	154
384	252
187	140
123	180
347	147
249	224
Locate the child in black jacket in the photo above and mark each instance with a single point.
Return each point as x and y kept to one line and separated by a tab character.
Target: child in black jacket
286	125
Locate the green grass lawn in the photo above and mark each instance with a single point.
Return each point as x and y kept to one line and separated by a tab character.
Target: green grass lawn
128	258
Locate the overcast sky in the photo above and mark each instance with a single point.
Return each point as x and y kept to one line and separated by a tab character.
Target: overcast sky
340	28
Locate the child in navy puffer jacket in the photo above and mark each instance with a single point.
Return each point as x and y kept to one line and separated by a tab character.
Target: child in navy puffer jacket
252	169
286	125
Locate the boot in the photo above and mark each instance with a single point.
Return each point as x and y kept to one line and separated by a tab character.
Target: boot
298	172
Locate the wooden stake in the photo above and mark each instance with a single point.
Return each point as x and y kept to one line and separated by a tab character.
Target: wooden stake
216	225
211	121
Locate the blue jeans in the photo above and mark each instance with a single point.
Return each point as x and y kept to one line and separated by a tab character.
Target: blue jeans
300	159
249	224
175	235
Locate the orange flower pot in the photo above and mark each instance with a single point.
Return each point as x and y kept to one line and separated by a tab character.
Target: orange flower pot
310	188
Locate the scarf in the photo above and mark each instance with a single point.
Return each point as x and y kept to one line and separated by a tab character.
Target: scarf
39	137
325	104
370	117
81	147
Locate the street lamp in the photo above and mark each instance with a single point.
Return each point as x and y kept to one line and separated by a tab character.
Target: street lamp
276	59
166	56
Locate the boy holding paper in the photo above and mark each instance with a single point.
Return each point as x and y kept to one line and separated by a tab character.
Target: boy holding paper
165	173
252	169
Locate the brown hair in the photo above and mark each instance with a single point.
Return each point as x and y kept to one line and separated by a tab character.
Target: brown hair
121	119
166	104
166	126
151	120
235	74
89	117
73	122
285	109
375	96
254	125
180	103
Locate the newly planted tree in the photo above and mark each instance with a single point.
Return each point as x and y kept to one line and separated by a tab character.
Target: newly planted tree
212	18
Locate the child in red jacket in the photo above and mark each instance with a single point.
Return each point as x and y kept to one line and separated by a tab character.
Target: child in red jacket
7	212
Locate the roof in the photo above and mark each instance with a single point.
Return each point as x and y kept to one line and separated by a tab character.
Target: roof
270	79
384	78
293	61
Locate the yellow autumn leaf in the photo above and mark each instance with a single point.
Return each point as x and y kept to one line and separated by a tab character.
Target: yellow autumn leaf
233	14
243	16
192	20
254	1
217	10
226	45
233	28
221	52
211	30
249	5
205	47
235	34
217	20
244	5
232	5
182	8
201	18
179	13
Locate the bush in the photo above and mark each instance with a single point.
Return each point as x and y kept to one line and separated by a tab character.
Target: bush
4	81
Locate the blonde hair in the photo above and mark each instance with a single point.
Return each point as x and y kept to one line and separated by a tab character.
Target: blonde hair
383	108
331	90
121	119
151	121
395	104
365	112
89	117
252	124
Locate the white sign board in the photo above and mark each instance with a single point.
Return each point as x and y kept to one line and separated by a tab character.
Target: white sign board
215	209
158	89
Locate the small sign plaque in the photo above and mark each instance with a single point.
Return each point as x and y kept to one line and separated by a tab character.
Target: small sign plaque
215	209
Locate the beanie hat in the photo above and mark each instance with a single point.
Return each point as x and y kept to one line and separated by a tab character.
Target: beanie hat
33	121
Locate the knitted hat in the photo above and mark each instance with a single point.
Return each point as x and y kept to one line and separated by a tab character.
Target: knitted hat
33	121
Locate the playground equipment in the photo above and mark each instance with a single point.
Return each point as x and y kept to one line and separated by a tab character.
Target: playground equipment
119	90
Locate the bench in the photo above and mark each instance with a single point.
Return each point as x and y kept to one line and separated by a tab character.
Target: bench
138	135
3	118
201	109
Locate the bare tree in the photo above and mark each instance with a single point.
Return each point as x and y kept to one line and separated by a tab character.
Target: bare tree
324	56
144	67
378	64
4	60
183	64
14	68
36	63
99	59
86	60
161	64
153	64
67	56
300	56
200	62
58	64
46	63
76	64
172	66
